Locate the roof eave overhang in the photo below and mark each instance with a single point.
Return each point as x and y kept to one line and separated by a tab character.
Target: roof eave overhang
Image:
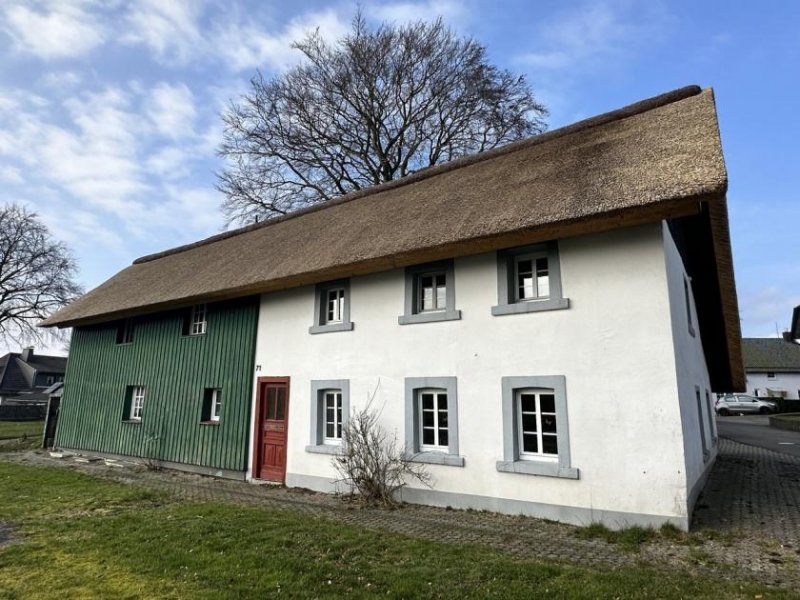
650	213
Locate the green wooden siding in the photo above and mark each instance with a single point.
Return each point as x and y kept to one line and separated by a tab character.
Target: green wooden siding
175	370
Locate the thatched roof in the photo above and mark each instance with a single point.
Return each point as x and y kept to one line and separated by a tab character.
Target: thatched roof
653	160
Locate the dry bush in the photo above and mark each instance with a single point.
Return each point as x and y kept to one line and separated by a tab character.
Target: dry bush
373	462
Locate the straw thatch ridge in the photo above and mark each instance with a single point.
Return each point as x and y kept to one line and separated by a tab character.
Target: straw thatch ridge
615	115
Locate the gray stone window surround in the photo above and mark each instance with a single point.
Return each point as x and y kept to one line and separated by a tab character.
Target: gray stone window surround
412	314
412	434
317	443
511	462
321	306
506	297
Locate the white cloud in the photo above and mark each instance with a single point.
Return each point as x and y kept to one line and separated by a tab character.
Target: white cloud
56	30
169	29
596	33
243	45
10	174
60	81
171	109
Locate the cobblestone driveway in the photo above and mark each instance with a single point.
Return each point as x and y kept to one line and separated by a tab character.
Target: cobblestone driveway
752	494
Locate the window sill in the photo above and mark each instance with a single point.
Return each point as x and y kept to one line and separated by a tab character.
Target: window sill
429	317
529	467
212	423
132	421
438	458
324	449
346	326
530	306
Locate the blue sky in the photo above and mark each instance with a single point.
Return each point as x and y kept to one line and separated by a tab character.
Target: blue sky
109	110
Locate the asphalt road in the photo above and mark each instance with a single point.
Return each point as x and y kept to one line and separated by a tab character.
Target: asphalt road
755	430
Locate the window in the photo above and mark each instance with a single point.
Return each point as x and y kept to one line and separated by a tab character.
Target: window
330	409
536	427
50	380
196	320
430	293
771	375
125	332
212	406
134	403
701	423
332	307
332	400
432	420
687	299
529	280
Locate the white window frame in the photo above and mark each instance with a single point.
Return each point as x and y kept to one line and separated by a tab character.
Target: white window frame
334	307
513	460
215	407
435	289
137	403
198	319
437	446
534	258
537	393
336	396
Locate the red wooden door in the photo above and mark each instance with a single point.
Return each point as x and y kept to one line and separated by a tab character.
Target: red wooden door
271	428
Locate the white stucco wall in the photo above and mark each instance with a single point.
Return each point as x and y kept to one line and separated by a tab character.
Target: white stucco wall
614	346
790	382
692	374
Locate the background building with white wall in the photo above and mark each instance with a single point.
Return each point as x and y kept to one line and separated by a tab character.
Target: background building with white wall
772	367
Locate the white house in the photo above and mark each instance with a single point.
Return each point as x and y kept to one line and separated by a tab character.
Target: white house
772	367
542	325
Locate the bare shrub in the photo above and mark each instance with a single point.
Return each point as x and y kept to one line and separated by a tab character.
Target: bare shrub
373	462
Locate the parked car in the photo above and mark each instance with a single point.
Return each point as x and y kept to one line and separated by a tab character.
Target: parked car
731	404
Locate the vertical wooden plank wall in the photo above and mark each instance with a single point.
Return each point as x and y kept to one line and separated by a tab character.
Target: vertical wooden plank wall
175	370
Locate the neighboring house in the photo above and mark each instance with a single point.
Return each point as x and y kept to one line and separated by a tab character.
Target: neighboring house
772	367
25	373
39	396
530	321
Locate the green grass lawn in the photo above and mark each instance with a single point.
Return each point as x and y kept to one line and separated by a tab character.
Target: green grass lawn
80	537
10	430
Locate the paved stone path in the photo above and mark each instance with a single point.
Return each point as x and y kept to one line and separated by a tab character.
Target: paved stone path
753	494
753	490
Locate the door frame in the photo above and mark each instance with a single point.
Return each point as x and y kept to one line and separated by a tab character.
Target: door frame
258	431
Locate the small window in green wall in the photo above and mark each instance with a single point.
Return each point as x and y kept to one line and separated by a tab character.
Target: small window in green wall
212	405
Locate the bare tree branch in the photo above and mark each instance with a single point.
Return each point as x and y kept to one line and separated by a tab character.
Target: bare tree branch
378	105
37	276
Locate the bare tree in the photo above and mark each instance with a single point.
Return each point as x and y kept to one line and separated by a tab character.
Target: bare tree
376	106
37	275
373	462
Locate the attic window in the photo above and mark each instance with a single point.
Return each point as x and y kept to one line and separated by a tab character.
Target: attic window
430	293
196	321
125	332
332	307
529	280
